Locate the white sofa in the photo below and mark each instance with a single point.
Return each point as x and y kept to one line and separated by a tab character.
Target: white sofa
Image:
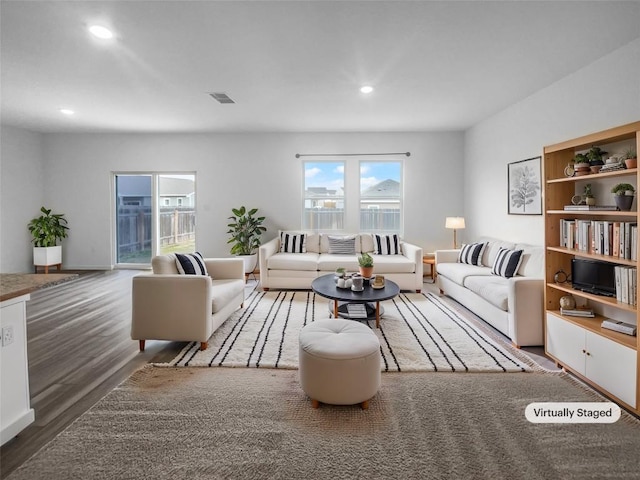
514	306
297	270
169	306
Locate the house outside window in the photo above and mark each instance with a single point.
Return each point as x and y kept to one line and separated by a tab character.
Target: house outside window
323	196
381	196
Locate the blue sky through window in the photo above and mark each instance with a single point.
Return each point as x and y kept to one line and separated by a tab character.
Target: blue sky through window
372	173
324	174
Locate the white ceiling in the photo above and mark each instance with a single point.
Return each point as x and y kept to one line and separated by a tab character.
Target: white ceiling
292	66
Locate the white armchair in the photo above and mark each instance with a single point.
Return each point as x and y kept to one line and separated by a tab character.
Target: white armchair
169	306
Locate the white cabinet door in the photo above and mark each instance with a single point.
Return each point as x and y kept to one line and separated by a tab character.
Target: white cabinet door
612	366
15	410
565	341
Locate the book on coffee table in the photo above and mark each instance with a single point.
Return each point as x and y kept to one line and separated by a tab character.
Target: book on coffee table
357	310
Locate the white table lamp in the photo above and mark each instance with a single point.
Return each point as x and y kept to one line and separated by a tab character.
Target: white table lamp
454	223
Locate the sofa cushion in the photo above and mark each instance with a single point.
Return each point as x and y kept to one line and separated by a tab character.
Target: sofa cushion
507	262
342	245
190	264
164	264
329	262
532	264
293	261
223	291
386	244
293	242
493	289
383	264
324	241
491	249
471	254
457	272
312	239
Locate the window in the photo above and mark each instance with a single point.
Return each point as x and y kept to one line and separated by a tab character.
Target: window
148	223
323	196
381	196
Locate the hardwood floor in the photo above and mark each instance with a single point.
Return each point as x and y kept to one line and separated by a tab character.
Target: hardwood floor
79	349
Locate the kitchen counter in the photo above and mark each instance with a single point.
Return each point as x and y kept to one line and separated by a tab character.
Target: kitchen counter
16	284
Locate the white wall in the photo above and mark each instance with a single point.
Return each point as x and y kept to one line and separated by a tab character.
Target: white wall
253	169
602	95
22	195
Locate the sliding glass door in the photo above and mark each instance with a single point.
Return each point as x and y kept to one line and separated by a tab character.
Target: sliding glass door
155	214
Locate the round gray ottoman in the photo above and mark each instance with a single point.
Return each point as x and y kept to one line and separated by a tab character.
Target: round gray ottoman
339	362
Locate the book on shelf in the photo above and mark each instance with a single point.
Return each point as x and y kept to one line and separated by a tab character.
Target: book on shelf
626	280
593	208
619	326
578	312
608	238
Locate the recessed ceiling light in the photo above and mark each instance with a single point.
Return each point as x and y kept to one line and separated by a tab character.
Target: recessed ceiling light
366	89
101	32
66	111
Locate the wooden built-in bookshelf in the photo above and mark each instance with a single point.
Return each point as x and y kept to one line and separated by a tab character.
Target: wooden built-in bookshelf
570	340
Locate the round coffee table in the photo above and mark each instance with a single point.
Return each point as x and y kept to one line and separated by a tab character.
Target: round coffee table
325	286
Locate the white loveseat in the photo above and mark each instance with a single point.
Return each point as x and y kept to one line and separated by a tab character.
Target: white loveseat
283	270
170	306
514	306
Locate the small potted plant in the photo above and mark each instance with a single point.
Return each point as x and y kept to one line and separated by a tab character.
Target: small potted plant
631	158
366	264
340	272
623	195
588	195
46	230
245	231
581	164
594	155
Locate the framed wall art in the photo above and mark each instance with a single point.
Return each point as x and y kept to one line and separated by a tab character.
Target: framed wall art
525	187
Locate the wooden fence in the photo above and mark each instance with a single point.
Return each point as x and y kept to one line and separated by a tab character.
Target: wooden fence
177	226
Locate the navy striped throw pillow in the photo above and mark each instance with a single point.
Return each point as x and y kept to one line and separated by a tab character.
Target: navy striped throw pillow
471	254
342	245
191	264
293	242
386	244
507	262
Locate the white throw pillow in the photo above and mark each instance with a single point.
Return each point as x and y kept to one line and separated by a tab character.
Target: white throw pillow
191	264
507	262
386	244
293	242
471	254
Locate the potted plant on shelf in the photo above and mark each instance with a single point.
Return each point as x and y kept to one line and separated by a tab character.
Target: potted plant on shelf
623	195
245	231
589	199
594	155
631	158
46	230
581	164
365	261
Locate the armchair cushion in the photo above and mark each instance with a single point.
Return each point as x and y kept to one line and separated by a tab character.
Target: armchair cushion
191	264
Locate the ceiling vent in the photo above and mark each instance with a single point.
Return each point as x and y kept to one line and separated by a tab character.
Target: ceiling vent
221	97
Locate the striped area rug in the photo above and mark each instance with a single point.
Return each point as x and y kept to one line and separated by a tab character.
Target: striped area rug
418	332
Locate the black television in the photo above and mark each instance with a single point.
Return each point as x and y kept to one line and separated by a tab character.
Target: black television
593	276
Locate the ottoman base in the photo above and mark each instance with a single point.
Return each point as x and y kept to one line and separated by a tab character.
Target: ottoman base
339	362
